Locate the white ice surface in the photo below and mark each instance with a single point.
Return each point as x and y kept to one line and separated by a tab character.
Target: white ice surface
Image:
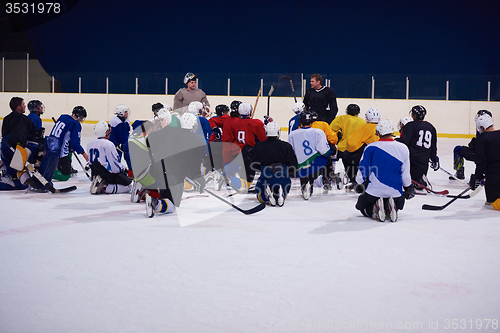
81	263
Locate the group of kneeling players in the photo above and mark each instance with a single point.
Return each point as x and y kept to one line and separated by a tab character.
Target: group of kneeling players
175	151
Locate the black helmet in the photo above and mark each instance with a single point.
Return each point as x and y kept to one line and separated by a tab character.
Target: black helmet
352	109
418	112
479	113
35	106
235	105
221	109
80	112
155	107
306	118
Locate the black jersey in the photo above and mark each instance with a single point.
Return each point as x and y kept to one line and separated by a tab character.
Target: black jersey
487	161
273	151
323	101
421	139
19	128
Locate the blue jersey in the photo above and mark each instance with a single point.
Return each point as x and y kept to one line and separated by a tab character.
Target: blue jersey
386	163
120	130
293	124
35	118
205	129
66	132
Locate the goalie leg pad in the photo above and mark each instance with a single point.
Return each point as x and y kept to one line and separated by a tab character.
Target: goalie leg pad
20	158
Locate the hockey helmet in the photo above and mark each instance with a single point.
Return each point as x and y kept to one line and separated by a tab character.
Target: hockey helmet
155	107
479	113
189	77
298	107
245	109
403	121
372	115
189	121
234	106
195	108
384	127
101	129
164	114
306	118
121	109
352	109
80	112
36	106
483	122
418	112
221	109
273	129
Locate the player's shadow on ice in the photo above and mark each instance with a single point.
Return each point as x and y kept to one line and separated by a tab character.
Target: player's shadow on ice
355	223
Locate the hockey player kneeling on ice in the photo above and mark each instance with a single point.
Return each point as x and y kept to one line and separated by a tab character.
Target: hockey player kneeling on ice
312	151
108	174
171	155
384	176
275	159
487	159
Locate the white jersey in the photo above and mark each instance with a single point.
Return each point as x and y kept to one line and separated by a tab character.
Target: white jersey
308	143
104	151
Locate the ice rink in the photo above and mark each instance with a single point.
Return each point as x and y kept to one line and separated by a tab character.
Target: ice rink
78	262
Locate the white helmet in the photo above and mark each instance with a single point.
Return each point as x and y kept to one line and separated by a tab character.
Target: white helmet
195	108
273	129
298	107
245	109
403	121
483	122
189	121
188	77
372	115
384	127
101	129
121	109
167	107
163	113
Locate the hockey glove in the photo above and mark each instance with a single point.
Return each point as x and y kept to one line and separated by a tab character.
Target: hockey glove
217	132
409	192
474	181
435	164
333	148
267	120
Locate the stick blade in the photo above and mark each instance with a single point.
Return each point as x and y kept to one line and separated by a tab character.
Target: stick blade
66	189
253	210
431	207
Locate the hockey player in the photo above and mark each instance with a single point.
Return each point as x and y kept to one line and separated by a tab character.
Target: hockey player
487	159
120	130
66	131
171	163
184	96
312	151
344	126
356	143
384	170
244	133
108	174
17	132
467	152
217	122
294	122
321	99
421	138
36	109
276	160
199	110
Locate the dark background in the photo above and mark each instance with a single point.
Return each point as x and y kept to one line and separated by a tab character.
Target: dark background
346	41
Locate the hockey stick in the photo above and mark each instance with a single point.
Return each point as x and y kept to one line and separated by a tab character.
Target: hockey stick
463	182
253	210
444	192
269	98
46	183
76	156
291	84
468	196
431	207
256	101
